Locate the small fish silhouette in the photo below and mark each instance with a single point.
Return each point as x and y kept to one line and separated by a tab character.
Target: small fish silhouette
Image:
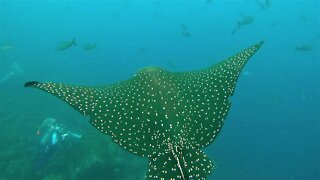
66	45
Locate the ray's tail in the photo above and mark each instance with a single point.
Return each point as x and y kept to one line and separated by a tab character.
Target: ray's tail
186	164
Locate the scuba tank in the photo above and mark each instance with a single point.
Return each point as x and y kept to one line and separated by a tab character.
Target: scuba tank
54	138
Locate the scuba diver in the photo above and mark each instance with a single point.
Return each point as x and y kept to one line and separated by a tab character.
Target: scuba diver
14	69
53	135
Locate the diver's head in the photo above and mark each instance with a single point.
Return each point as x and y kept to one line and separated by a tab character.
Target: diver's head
46	124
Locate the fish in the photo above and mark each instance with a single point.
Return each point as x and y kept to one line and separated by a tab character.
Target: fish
66	44
89	47
244	21
167	117
268	3
142	49
183	26
5	48
305	47
265	4
275	24
186	33
14	70
208	1
317	37
172	64
184	30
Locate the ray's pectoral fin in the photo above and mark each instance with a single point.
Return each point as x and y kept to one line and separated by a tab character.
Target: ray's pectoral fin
31	83
212	87
79	97
181	164
228	71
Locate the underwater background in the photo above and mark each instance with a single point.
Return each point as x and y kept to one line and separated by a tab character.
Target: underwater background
272	130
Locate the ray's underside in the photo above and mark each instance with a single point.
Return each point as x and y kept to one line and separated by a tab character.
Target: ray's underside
165	116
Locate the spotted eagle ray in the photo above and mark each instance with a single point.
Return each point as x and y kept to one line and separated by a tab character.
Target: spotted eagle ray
165	116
